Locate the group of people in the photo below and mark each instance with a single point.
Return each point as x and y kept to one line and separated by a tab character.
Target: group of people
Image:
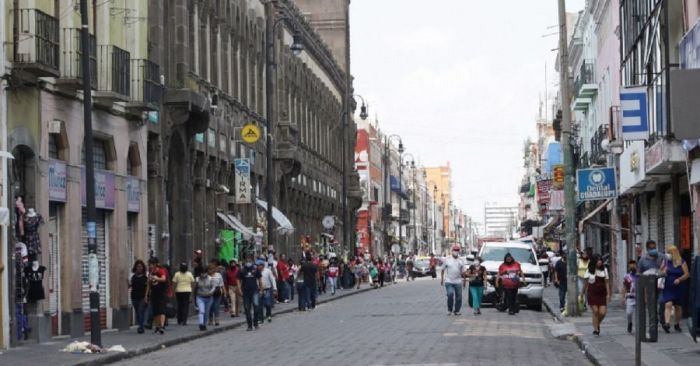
593	282
251	287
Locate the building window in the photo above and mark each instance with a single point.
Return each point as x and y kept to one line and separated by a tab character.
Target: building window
53	146
99	153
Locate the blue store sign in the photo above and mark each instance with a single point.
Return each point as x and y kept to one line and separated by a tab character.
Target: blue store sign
596	184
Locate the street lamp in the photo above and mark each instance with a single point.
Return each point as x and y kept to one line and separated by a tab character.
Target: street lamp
387	164
344	194
413	197
270	76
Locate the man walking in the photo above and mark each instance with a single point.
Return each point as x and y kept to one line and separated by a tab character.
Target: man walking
560	280
309	271
269	286
649	265
283	279
452	278
249	289
433	266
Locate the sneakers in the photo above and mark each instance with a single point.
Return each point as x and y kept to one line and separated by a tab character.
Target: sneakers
629	328
140	331
457	313
269	319
202	327
449	313
677	327
249	329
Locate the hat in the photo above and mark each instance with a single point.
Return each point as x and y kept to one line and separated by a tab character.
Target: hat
259	262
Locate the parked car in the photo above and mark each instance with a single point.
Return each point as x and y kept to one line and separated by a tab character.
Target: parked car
421	267
531	286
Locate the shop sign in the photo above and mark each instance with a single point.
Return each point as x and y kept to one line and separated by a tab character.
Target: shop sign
654	156
104	189
635	116
57	180
558	174
133	194
242	181
543	188
596	184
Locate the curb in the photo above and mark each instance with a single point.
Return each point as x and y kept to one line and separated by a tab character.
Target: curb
191	337
596	357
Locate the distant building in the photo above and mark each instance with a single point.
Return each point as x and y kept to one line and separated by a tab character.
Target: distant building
500	220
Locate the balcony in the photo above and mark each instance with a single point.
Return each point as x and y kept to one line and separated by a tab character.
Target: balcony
114	68
404	216
37	43
71	65
598	154
585	87
146	90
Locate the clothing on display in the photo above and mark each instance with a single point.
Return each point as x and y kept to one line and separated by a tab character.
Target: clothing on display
35	277
32	221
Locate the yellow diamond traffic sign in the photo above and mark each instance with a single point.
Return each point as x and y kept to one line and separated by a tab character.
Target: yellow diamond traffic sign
250	133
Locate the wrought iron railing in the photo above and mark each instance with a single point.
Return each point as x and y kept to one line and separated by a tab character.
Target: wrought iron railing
38	41
586	76
72	51
145	82
114	69
597	151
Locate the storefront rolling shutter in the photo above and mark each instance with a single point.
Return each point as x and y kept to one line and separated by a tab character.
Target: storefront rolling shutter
668	218
653	220
103	286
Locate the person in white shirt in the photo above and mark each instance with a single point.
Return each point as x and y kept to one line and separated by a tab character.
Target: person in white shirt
269	283
452	277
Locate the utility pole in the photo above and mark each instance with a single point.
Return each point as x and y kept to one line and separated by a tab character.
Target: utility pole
270	73
387	186
569	195
93	264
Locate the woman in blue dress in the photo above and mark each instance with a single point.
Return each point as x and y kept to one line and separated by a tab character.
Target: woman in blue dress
675	287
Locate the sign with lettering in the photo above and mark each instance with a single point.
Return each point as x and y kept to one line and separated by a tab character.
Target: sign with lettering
132	187
558	174
596	184
57	180
635	116
104	189
242	191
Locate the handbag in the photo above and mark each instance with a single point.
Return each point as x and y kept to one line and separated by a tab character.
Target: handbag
170	311
217	291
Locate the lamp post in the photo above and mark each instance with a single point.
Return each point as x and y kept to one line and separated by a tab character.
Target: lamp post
434	216
344	194
413	197
387	186
270	75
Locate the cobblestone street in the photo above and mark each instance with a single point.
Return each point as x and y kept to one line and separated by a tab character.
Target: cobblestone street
398	325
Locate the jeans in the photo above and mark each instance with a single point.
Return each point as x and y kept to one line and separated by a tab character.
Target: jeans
183	306
579	281
477	294
311	292
203	307
267	302
511	295
290	287
140	310
630	304
454	297
284	291
545	275
301	296
251	302
214	309
333	284
562	294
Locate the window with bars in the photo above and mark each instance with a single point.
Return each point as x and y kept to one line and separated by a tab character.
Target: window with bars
53	146
99	153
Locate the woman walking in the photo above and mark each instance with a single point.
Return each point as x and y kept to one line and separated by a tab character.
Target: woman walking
204	290
232	289
183	281
477	278
675	288
509	273
138	283
219	293
597	288
156	293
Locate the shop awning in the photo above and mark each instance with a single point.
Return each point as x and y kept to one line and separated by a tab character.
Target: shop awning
285	226
235	224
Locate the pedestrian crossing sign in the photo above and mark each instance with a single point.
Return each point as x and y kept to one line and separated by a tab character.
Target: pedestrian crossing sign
250	133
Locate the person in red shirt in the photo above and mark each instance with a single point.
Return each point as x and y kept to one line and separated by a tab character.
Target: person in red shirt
231	282
433	266
157	293
283	278
509	274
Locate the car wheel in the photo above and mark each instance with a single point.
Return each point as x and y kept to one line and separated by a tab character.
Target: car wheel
536	306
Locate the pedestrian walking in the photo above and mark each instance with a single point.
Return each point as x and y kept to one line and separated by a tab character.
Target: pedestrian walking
333	274
137	284
322	275
675	292
544	267
409	267
477	276
293	269
250	287
183	282
358	270
629	292
204	291
650	264
302	295
452	277
309	272
157	293
219	293
597	287
582	267
269	285
509	274
283	279
381	275
560	280
433	265
231	282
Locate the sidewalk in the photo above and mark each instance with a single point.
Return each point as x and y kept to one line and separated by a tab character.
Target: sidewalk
139	344
615	346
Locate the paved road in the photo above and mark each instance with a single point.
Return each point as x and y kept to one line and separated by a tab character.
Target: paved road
398	325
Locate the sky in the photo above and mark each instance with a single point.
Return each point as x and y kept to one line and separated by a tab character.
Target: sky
460	81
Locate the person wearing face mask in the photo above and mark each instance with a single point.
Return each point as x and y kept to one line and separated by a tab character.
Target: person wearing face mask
675	290
560	281
510	273
477	279
451	277
650	264
597	286
629	292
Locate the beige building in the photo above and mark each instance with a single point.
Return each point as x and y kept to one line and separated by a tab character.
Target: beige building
441	177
